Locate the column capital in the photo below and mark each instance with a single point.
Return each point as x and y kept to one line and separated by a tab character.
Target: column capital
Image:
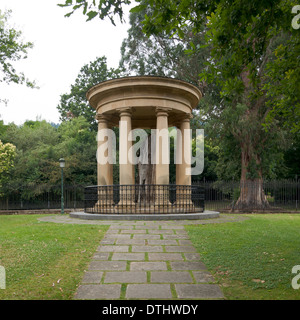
183	118
125	112
162	111
186	117
101	118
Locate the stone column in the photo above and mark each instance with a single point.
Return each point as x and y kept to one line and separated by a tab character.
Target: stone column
125	144
162	147
125	165
104	170
104	166
183	168
179	154
162	158
184	146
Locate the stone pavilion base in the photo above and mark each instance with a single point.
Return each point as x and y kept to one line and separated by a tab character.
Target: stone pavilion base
186	216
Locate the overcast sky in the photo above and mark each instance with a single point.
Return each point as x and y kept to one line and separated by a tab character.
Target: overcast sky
61	47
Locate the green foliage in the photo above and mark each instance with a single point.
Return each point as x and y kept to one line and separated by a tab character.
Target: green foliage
240	33
78	147
247	59
12	49
75	104
158	54
7	156
100	8
282	85
39	145
245	40
35	159
291	158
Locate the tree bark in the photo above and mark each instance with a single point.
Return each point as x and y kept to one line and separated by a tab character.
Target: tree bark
146	173
252	195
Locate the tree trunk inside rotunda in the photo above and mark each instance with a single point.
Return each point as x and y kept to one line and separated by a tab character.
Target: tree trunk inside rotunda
146	173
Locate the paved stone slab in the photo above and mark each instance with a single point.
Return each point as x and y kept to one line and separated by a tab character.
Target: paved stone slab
147	227
112	231
200	291
203	276
171	277
131	241
180	249
92	277
126	277
117	236
128	256
147	249
192	256
133	231
101	256
146	236
113	249
101	291
159	242
107	265
147	266
165	256
163	242
187	265
149	291
121	227
160	231
173	227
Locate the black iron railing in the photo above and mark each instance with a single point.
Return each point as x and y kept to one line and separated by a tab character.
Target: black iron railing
282	196
144	199
35	197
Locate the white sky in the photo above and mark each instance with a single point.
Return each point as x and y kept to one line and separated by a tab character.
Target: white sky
61	47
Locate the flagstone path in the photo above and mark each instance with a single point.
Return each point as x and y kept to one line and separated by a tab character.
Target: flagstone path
146	260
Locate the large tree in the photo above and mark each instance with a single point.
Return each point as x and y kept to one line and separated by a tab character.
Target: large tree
245	38
161	55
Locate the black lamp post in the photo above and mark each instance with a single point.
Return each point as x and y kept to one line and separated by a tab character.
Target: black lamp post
62	165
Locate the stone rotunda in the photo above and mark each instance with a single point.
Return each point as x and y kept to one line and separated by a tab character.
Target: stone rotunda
144	102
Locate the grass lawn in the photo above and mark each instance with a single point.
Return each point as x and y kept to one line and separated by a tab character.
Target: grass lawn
44	260
252	259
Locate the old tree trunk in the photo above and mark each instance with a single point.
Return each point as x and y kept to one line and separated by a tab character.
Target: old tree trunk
252	139
252	195
146	173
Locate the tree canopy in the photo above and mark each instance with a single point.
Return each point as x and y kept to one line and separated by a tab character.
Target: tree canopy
12	49
74	103
39	145
243	33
